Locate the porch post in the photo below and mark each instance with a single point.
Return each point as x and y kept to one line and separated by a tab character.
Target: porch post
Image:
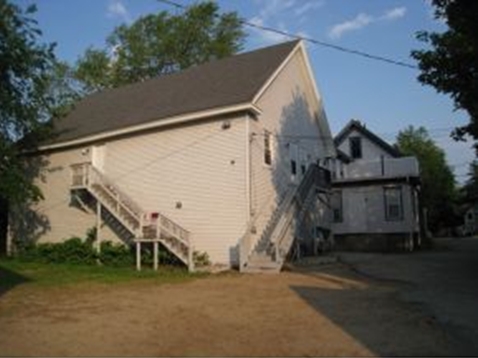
98	226
155	260
138	255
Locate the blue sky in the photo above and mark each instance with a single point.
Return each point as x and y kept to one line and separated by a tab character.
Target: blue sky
387	98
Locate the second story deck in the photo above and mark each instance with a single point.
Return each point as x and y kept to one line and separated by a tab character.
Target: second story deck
377	169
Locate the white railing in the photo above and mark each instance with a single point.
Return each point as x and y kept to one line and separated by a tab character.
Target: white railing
294	212
131	215
386	168
289	213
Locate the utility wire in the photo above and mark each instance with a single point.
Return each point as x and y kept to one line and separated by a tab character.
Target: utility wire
310	40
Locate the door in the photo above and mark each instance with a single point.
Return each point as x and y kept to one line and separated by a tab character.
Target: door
356	210
98	157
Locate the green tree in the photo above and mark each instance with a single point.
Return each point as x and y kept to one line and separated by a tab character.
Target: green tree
25	101
469	191
159	44
451	65
438	181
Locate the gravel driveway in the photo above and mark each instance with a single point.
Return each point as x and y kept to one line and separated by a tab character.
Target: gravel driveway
441	283
314	311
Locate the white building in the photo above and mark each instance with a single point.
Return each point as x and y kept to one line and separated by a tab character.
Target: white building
210	159
375	193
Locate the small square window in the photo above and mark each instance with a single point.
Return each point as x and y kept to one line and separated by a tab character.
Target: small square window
355	147
267	148
293	167
302	169
336	204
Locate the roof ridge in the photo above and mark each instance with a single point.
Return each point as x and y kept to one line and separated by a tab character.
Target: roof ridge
219	83
196	67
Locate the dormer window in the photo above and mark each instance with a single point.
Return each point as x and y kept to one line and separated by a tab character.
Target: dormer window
355	147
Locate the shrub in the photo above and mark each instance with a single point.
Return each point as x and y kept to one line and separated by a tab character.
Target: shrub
201	259
116	254
73	251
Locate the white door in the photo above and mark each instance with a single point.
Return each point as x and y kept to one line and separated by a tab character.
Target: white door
98	157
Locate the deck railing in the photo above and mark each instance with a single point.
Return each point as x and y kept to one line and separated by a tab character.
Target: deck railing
144	226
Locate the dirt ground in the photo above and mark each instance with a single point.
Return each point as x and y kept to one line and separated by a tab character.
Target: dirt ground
314	311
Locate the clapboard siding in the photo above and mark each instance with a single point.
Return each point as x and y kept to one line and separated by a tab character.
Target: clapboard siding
295	117
199	167
364	211
370	150
61	219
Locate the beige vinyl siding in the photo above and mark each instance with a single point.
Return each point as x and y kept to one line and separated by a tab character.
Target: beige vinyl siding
56	219
199	167
293	114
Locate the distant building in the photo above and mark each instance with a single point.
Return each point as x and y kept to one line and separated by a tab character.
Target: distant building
375	199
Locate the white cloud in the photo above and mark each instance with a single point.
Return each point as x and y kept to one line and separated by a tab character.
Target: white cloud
272	12
362	20
359	22
116	9
308	6
395	13
268	37
272	8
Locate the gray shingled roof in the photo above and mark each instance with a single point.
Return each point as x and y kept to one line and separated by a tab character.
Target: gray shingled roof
219	83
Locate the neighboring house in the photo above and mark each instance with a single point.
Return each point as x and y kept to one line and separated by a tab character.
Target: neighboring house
470	220
220	158
375	193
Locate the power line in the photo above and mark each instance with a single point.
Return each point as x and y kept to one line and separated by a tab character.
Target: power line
311	40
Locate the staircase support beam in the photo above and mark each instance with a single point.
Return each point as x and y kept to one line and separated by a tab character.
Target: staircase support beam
138	255
98	226
155	260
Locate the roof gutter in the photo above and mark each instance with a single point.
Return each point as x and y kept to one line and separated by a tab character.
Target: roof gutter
183	118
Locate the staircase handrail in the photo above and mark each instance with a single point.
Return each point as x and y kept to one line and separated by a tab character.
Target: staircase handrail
118	194
89	175
299	196
245	243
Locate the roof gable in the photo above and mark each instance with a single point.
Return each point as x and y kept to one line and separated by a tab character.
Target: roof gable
356	125
217	84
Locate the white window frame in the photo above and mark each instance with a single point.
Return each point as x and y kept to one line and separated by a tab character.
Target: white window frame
393	195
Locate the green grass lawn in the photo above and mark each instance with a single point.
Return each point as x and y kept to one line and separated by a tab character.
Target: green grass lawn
14	272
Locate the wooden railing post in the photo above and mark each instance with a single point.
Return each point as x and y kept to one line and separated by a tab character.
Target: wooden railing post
190	256
138	255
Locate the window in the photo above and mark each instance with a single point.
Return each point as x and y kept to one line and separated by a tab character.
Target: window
393	203
294	157
267	148
336	204
355	147
293	167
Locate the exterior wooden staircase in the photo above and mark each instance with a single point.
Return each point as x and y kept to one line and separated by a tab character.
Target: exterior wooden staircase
144	227
270	251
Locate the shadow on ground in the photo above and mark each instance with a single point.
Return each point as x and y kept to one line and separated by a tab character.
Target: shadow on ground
10	279
371	314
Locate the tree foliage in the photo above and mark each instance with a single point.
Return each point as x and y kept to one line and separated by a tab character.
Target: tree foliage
469	191
161	43
438	182
451	65
25	101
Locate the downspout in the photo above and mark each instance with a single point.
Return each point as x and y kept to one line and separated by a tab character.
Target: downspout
248	170
243	246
